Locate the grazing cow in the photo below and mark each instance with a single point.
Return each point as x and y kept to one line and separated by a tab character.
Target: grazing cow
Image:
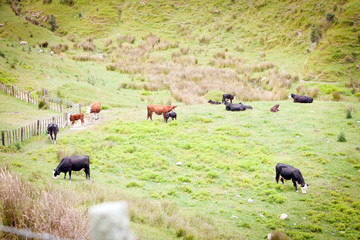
275	108
301	99
159	109
234	107
75	117
213	102
288	172
94	109
73	163
227	96
170	114
52	131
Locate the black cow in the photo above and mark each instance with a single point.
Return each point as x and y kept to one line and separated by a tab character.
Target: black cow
52	131
288	172
213	102
227	96
234	107
73	163
301	99
170	114
246	106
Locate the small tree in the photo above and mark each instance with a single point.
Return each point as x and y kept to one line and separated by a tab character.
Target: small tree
315	34
348	114
341	137
53	23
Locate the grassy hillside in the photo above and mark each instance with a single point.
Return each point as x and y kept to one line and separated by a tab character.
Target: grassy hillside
259	49
228	157
16	113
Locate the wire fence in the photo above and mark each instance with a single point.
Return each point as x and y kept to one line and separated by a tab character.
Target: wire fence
27	234
21	134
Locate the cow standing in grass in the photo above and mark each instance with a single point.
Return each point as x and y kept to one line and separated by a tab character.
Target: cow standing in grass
227	96
52	131
73	163
287	172
94	110
159	109
75	117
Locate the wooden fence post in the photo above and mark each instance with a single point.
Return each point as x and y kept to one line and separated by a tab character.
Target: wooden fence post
3	137
12	88
60	106
38	126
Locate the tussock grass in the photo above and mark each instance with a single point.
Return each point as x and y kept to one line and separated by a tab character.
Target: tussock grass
41	209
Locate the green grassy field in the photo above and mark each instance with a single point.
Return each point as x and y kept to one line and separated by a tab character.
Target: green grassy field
184	53
15	113
228	157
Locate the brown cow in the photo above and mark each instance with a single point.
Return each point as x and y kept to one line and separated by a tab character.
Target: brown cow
95	108
275	108
76	117
159	109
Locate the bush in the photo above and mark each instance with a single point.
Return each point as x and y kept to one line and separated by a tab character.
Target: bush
52	22
314	92
336	95
2	54
277	235
348	114
341	137
315	34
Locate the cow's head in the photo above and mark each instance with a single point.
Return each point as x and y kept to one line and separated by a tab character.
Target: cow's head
173	107
56	173
303	188
292	95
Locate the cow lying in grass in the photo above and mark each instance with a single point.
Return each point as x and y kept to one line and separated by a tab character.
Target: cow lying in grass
275	108
236	107
213	102
301	99
288	172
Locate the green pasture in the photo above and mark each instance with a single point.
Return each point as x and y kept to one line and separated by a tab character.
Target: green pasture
227	158
16	113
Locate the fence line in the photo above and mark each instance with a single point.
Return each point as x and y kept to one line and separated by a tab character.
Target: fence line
21	134
28	234
54	104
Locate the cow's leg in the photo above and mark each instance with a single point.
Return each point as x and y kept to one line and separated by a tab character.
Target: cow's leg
55	133
164	113
277	177
282	179
87	172
69	175
65	175
294	181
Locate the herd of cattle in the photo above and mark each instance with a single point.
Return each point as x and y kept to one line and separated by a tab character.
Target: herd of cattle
77	163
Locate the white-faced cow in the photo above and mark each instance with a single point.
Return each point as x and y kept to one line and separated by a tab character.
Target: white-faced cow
171	115
73	163
301	99
288	172
52	131
94	109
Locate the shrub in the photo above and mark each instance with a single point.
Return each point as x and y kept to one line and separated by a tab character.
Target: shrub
301	89
315	34
348	114
88	46
111	67
330	17
204	40
133	184
341	137
47	1
277	235
44	44
107	42
314	92
67	2
58	48
2	54
52	22
336	95
104	107
126	38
